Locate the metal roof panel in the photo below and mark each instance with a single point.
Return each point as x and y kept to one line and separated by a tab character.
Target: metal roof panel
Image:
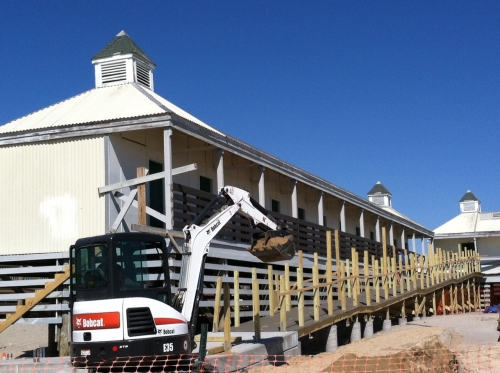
100	104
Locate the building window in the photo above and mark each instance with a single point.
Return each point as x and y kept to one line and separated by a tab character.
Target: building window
372	236
358	231
395	243
275	205
301	213
324	221
205	184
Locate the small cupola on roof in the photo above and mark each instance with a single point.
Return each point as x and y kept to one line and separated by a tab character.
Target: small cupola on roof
470	203
380	195
122	61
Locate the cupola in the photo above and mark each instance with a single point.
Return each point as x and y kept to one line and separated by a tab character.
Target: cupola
470	203
380	195
122	61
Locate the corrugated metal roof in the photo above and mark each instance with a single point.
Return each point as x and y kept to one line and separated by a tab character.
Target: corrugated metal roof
117	102
470	222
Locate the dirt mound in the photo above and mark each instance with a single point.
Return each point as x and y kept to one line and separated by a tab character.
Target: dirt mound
432	356
409	349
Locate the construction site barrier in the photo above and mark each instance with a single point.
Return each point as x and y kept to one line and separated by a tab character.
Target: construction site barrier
438	359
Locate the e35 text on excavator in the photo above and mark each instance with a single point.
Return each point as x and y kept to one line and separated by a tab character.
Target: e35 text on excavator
121	300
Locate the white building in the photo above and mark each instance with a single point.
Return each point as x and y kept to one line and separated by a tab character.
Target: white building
473	230
55	159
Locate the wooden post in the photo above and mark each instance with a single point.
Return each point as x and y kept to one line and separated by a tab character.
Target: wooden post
348	280
394	281
300	287
414	271
422	272
271	289
376	279
416	306
329	274
288	300
316	301
367	278
407	271
218	291
342	286
355	280
256	308
385	279
236	279
282	304
429	272
141	197
431	264
337	252
401	278
227	319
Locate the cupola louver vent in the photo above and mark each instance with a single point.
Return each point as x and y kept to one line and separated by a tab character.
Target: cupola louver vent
469	206
114	71
143	75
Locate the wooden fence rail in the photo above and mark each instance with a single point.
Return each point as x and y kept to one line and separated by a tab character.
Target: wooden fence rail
384	277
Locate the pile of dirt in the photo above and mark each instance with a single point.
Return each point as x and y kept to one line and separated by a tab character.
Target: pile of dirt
271	249
431	356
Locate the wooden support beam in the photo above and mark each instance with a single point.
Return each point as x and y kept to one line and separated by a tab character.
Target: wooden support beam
270	289
300	287
41	294
316	300
236	293
342	285
218	292
132	182
376	279
141	197
282	304
367	279
227	319
288	300
256	309
329	274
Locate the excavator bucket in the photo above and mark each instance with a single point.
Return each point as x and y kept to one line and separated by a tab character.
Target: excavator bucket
273	246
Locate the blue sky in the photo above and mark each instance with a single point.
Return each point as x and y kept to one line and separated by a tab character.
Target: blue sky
402	92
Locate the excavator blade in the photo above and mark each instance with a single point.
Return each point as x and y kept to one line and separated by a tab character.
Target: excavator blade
273	248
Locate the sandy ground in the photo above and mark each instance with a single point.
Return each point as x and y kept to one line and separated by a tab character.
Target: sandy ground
472	338
21	339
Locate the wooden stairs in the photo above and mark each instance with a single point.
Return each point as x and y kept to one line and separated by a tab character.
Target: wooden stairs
50	286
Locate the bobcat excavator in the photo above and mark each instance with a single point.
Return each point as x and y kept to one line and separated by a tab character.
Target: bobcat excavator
121	299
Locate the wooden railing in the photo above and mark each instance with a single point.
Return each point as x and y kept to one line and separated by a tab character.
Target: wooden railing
376	280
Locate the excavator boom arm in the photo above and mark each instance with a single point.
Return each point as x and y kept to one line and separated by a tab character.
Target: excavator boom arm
198	237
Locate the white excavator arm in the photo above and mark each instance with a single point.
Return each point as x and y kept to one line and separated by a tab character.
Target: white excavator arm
274	244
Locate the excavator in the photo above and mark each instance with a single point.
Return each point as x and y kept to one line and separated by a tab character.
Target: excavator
123	311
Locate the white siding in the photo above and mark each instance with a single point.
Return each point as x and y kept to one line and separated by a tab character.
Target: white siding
49	195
